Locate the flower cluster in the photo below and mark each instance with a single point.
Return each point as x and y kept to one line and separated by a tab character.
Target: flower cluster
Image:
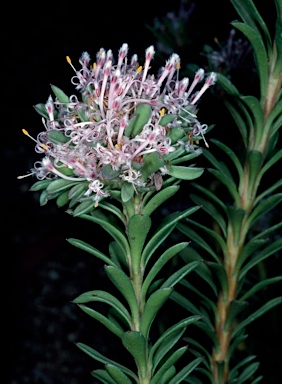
124	115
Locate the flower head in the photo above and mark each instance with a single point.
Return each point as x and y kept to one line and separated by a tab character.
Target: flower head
123	126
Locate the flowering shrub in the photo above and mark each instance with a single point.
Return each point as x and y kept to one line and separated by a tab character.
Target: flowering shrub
126	131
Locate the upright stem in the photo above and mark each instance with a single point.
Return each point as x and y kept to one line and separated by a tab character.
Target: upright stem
136	273
247	194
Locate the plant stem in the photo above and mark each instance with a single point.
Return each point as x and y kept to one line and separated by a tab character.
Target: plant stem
235	245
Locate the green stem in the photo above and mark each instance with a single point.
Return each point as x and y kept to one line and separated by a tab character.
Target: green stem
248	193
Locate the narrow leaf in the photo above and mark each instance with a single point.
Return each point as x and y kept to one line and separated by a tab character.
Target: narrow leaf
117	374
103	320
186	371
163	232
266	307
235	308
161	261
180	274
153	305
260	53
168	339
265	253
103	376
124	285
184	173
99	357
60	185
138	229
135	343
104	297
262	284
159	198
167	364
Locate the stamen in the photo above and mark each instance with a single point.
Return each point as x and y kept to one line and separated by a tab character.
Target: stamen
32	138
69	61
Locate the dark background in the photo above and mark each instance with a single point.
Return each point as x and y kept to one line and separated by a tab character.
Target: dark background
41	272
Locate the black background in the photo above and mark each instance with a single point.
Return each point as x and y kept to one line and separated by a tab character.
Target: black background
41	272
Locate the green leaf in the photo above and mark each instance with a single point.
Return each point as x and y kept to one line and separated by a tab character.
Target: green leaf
199	346
41	109
184	173
143	114
248	250
234	371
170	373
176	134
103	319
211	195
180	274
103	376
61	96
221	275
152	163
77	189
229	184
264	207
181	159
235	308
117	254
231	155
266	307
127	191
138	229
161	261
40	185
236	217
248	372
258	118
104	297
278	39
60	185
268	191
209	303
250	15
166	119
241	121
211	210
188	255
63	199
268	231
185	303
163	231
99	357
154	303
112	229
262	284
194	236
169	338
159	198
57	137
113	209
167	364
238	339
135	343
260	54
255	160
93	251
84	207
211	232
186	371
117	374
43	198
226	84
275	246
124	285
